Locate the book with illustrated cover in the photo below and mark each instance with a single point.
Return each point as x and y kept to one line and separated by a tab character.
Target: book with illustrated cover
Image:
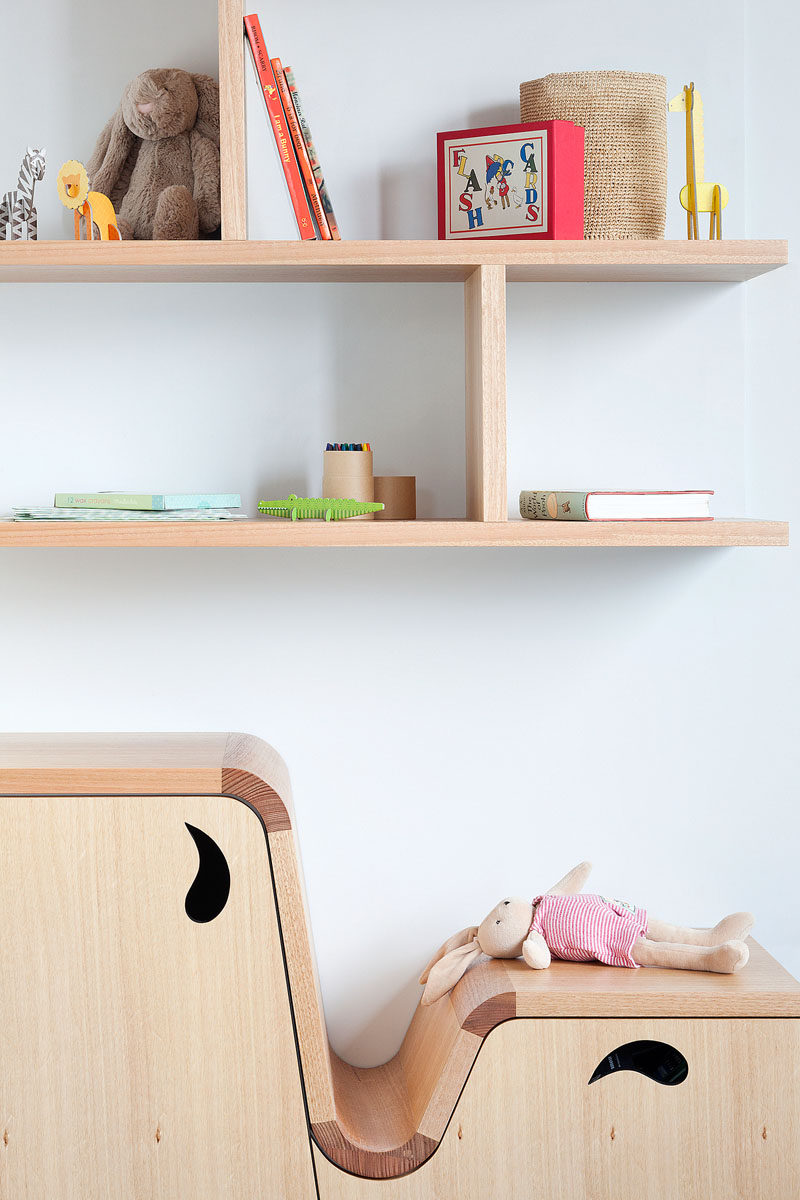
615	506
280	129
312	191
270	214
313	157
147	502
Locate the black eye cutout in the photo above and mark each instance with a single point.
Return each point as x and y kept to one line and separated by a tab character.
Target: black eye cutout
506	902
209	893
657	1060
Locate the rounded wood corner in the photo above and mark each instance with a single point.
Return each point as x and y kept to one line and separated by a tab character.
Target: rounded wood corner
491	1013
254	772
368	1163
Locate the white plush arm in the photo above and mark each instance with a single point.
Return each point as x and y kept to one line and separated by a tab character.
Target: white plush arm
535	951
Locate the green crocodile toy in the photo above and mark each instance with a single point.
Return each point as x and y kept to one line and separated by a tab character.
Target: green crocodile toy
303	508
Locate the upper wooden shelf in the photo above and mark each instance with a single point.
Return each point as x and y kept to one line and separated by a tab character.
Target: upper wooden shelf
337	262
262	533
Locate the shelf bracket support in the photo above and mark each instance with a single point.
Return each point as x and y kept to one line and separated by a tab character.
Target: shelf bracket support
485	346
233	158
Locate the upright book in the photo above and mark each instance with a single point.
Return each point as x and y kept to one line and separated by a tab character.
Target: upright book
615	506
313	156
301	153
279	125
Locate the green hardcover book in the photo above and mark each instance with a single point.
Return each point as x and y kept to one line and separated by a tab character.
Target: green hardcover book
553	506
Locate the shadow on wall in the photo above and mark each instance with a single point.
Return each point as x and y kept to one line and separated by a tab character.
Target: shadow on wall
103	47
407	193
397	390
460	702
613	385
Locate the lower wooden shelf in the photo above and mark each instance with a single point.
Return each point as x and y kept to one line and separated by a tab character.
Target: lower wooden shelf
259	533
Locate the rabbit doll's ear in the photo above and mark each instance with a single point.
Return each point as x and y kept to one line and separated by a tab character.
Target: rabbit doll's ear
458	939
110	154
207	119
572	882
445	973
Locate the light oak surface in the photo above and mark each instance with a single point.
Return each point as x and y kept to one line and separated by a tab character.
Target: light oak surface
258	533
232	141
374	262
128	763
381	1122
142	1054
485	377
530	1127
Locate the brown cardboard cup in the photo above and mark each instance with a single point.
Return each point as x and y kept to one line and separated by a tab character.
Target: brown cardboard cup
347	475
398	494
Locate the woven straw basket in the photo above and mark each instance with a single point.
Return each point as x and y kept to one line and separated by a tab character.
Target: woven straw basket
624	114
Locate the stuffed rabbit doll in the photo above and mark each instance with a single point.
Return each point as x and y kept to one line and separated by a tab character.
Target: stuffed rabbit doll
158	157
565	924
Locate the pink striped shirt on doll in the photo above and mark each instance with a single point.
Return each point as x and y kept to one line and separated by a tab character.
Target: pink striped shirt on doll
588	928
563	924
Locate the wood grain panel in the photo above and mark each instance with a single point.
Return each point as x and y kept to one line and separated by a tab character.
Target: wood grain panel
141	1053
485	353
385	1121
566	989
373	262
528	1125
301	966
232	143
260	534
120	763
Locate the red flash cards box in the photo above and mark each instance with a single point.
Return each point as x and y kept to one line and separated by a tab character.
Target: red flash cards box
511	181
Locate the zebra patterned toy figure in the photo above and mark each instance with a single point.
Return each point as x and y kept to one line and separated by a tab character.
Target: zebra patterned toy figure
17	209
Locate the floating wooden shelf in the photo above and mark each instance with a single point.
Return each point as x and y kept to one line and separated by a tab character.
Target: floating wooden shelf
373	262
264	533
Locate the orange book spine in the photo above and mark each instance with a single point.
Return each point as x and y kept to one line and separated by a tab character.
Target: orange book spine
300	150
277	120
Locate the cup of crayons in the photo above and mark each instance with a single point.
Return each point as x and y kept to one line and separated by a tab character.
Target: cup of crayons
347	473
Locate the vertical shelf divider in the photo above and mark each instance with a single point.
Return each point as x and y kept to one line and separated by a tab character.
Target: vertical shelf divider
232	152
485	347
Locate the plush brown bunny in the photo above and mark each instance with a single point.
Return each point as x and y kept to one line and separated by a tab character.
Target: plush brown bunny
158	157
565	924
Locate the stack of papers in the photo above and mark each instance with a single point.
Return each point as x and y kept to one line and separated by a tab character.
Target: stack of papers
30	513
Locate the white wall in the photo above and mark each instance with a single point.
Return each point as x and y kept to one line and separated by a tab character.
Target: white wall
504	713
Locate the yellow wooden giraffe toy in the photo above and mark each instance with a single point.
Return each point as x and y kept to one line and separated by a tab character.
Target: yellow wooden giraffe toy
73	189
698	196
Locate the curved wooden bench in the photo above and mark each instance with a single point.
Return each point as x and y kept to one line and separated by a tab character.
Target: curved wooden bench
387	1121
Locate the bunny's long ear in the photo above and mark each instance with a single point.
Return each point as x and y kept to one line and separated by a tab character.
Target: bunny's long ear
207	119
572	882
445	973
458	939
110	154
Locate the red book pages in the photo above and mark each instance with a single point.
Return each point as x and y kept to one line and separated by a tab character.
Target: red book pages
300	150
277	119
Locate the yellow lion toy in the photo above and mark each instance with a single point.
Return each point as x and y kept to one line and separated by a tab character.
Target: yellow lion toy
73	190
